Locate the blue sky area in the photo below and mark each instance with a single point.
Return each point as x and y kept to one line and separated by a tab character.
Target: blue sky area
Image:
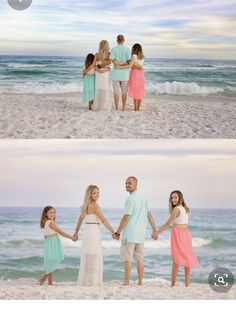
166	29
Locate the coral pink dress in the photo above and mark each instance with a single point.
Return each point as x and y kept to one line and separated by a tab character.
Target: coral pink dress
136	88
181	242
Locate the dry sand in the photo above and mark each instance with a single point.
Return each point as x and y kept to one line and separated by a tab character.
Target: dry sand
152	289
66	116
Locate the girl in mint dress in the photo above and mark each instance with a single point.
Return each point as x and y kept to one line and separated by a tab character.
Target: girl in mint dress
89	80
53	253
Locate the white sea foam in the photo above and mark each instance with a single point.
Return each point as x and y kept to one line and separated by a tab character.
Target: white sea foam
18	66
39	88
180	88
149	244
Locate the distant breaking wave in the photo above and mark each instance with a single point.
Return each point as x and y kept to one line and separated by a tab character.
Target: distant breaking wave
180	88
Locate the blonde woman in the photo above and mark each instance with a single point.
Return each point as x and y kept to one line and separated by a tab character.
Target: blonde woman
103	97
91	259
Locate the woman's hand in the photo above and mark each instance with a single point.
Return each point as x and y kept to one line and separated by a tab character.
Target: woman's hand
155	235
75	238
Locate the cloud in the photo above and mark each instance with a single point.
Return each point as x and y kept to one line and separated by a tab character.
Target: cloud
34	172
76	27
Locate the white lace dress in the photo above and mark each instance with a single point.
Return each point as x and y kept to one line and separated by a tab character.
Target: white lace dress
91	260
103	96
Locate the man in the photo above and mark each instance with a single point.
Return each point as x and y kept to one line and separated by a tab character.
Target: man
133	224
120	77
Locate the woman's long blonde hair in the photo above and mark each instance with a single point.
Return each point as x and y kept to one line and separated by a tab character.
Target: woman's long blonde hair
104	50
87	198
180	203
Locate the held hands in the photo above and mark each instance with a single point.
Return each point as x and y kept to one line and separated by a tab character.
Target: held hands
75	238
155	235
115	236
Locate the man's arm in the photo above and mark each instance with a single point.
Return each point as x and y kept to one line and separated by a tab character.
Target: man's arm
152	222
123	223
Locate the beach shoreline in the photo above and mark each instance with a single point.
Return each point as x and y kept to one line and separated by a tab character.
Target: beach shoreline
23	289
64	115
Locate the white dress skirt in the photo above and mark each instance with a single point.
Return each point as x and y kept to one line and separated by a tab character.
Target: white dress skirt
91	259
103	96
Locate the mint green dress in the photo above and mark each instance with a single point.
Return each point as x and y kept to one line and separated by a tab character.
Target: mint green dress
53	253
89	86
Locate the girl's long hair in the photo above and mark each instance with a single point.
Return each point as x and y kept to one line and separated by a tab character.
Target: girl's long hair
89	60
137	49
180	203
104	50
87	198
44	216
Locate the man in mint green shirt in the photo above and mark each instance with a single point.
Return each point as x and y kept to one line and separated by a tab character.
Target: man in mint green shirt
134	224
120	77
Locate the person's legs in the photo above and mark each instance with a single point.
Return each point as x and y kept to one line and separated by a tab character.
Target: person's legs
140	270
43	279
139	105
124	91
90	104
124	99
138	256
187	276
175	268
127	267
50	278
116	89
126	254
135	105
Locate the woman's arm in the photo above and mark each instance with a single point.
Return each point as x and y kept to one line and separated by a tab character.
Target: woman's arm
137	66
124	221
171	219
117	63
53	226
77	227
102	218
102	70
130	65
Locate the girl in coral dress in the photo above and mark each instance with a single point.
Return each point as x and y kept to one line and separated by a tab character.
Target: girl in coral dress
181	240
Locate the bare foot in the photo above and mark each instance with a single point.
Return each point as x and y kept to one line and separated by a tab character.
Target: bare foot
125	284
42	279
140	283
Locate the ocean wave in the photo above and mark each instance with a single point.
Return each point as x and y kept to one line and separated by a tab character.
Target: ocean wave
40	88
180	88
18	66
106	244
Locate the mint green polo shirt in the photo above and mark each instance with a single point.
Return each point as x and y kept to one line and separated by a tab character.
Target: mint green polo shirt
135	230
122	54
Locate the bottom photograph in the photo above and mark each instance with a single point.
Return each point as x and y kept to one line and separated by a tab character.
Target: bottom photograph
117	219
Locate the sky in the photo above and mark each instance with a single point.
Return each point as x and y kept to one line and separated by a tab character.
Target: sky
165	28
35	173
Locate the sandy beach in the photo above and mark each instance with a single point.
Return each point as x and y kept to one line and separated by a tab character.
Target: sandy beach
152	289
165	116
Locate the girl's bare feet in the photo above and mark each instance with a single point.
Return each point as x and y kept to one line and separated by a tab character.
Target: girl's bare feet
43	279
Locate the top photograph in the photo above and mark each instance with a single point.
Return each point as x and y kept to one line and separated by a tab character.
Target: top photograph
117	69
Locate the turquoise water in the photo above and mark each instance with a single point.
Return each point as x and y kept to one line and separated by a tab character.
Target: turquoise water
21	245
42	75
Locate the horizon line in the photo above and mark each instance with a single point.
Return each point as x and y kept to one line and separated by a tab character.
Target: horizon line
78	56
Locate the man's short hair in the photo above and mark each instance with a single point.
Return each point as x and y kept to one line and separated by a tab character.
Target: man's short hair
120	38
132	177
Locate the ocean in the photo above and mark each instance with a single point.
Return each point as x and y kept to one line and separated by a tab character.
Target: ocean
44	75
21	245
